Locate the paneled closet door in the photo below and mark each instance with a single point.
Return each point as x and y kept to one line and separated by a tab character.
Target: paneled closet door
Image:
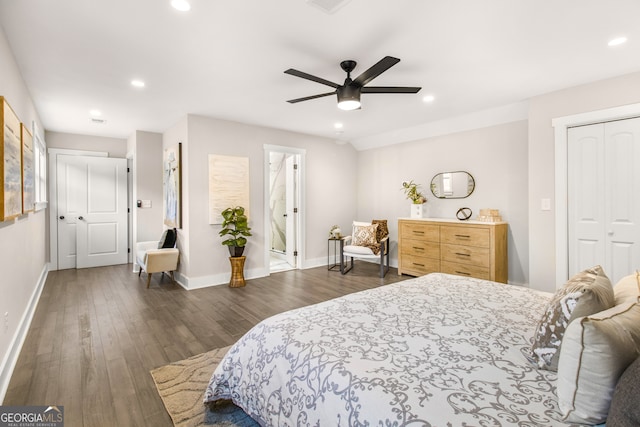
92	211
603	202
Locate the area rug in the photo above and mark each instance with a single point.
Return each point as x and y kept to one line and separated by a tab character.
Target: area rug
181	386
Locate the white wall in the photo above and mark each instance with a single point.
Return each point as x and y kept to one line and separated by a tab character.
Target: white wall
23	247
147	170
116	147
608	93
330	189
175	134
496	157
144	149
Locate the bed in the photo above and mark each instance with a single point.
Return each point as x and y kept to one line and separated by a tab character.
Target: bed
436	350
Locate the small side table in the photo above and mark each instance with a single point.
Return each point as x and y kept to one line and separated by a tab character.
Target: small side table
237	271
338	244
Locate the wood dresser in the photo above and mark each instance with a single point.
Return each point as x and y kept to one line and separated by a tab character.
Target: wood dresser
470	248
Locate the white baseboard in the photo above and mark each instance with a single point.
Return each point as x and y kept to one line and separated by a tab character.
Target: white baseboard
319	262
314	262
190	283
11	357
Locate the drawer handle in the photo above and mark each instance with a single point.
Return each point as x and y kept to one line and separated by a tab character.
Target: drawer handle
463	236
464	273
418	249
459	254
418	232
419	265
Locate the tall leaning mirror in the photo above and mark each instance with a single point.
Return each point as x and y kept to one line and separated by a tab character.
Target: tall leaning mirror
452	185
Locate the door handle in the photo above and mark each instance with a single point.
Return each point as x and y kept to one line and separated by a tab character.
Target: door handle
80	218
61	216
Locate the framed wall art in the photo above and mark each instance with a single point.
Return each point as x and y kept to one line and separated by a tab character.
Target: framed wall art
28	172
228	185
172	186
10	163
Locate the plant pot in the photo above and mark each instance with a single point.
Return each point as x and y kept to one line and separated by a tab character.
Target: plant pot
416	210
236	250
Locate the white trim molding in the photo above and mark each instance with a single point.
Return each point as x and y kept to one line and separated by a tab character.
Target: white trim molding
561	126
11	356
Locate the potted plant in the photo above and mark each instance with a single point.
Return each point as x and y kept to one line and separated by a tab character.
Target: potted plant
411	190
235	225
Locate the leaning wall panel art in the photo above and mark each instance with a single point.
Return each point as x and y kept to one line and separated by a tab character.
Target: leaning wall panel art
172	186
10	163
28	172
228	185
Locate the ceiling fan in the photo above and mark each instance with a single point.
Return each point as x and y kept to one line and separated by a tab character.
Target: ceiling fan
349	92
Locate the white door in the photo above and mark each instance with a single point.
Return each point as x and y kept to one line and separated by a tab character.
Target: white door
92	211
603	206
291	210
70	207
622	197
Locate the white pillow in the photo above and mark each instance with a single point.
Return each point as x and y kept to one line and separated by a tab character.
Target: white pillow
628	288
595	352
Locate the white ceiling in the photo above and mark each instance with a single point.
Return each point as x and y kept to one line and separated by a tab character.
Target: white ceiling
225	59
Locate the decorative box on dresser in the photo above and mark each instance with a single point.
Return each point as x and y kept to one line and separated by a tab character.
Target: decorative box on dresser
470	248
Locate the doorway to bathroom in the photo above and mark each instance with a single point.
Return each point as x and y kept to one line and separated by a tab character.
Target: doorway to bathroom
285	169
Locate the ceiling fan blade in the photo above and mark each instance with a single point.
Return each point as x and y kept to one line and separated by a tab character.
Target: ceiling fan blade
380	67
310	77
390	89
306	98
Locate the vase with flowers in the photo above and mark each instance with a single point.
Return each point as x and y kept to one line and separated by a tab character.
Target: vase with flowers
412	191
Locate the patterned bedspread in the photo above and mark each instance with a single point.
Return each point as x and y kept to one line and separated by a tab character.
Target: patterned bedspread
437	350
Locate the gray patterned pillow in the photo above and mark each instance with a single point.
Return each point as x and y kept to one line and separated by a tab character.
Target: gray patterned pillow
586	293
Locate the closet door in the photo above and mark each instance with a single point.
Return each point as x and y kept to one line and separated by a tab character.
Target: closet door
622	197
92	211
603	207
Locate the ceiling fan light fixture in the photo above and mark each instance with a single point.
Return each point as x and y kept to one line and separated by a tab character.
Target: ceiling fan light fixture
348	98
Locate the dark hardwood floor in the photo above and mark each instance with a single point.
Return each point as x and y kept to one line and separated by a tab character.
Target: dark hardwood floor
98	332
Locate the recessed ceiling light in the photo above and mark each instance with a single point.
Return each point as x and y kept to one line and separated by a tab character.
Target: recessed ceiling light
428	98
181	5
338	125
617	41
137	83
95	113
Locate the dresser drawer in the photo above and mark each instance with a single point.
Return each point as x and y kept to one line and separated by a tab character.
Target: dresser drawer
421	248
418	266
417	231
465	270
478	237
466	255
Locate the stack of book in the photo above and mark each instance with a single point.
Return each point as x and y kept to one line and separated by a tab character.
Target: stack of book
489	215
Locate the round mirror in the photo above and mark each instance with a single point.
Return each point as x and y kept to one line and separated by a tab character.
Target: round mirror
452	185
